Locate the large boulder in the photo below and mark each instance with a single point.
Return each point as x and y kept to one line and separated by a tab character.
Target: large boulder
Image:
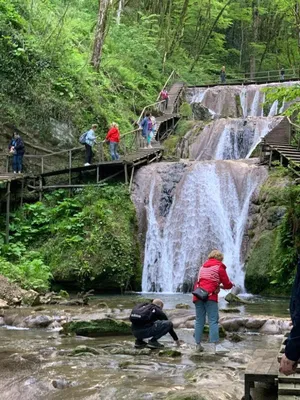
3	304
233	299
10	292
31	298
98	327
38	321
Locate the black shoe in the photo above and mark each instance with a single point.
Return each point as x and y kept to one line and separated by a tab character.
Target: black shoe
154	344
140	344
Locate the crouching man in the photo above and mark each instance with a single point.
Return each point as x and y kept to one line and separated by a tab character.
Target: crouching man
149	321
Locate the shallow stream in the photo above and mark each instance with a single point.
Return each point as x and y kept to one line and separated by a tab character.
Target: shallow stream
36	364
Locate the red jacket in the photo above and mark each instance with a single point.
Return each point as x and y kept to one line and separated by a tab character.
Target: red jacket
211	275
113	135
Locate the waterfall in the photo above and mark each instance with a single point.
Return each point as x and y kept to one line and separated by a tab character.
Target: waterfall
231	139
255	104
274	109
209	210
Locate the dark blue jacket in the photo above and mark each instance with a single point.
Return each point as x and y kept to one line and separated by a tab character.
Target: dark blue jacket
292	349
19	146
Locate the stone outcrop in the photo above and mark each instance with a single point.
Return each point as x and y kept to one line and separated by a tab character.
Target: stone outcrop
97	328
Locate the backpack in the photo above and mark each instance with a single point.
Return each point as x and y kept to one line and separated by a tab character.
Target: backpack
83	138
141	314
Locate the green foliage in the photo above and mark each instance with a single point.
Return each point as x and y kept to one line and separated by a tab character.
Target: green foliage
87	241
186	110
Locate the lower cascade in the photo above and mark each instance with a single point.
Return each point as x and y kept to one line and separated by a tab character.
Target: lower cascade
189	208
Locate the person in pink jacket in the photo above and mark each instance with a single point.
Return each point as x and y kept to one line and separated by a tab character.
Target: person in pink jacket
212	276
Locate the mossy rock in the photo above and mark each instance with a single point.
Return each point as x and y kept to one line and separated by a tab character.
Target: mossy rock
232	298
185	396
84	350
131	351
230	310
259	263
169	353
182	306
222	331
97	328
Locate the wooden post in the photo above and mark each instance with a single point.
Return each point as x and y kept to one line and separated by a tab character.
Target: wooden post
41	188
131	179
70	167
7	163
126	173
7	212
98	173
281	159
270	159
42	165
22	193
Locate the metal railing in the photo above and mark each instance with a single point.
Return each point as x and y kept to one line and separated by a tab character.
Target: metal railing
257	77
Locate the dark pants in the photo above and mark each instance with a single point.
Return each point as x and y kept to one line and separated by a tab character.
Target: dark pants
166	103
17	162
156	331
88	153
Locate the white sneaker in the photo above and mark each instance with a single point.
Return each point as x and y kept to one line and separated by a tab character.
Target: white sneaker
199	348
86	164
15	172
149	147
219	349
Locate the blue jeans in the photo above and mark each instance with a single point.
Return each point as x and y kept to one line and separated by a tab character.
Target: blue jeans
17	162
212	310
155	331
113	147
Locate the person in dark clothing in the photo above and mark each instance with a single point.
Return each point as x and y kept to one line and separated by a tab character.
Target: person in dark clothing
291	357
155	326
223	74
17	148
282	72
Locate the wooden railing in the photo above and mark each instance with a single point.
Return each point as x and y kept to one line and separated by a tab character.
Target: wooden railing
295	133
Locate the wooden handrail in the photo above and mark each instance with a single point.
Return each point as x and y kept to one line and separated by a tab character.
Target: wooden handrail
148	106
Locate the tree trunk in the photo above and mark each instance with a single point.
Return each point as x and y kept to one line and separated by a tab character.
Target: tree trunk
119	12
255	20
100	34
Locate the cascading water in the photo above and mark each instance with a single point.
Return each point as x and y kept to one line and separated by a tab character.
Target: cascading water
188	208
209	210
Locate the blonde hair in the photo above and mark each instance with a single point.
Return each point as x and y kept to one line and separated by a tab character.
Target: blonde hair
94	126
115	125
158	303
216	254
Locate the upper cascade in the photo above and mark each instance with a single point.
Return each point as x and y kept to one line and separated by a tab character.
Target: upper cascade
236	101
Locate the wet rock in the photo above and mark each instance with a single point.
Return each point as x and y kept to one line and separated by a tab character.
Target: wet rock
2	322
31	298
233	299
200	112
131	351
62	383
97	328
102	304
236	338
236	290
55	325
3	304
38	321
230	310
84	349
169	353
186	395
222	331
182	306
39	308
274	327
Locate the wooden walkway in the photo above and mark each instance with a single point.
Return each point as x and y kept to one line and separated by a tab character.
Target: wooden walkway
277	146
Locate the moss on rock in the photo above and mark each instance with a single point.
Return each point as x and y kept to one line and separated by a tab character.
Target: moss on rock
169	353
222	331
259	264
186	396
97	328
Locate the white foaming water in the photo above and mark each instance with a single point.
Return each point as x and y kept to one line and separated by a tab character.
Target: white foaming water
255	104
209	210
274	109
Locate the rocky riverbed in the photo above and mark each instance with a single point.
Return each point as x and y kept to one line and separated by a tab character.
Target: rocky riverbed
39	361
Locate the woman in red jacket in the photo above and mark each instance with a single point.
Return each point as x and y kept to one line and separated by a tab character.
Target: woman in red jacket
212	276
113	137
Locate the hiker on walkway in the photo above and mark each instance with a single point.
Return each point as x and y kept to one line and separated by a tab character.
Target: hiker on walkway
164	95
289	360
16	147
223	74
149	321
282	72
212	276
90	141
154	127
113	137
146	127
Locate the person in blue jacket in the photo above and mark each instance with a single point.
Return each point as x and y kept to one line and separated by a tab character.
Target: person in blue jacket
291	357
146	126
